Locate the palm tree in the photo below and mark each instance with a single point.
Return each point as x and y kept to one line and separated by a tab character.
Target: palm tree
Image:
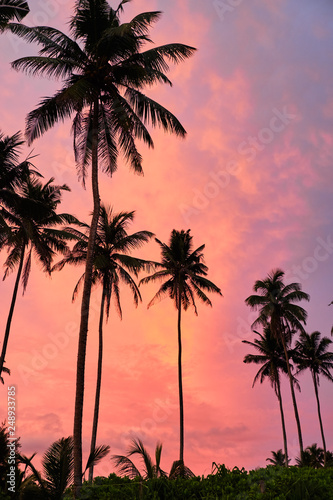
10	9
276	304
271	357
112	265
311	352
329	458
58	468
126	466
151	470
313	456
278	458
104	70
28	224
13	171
183	272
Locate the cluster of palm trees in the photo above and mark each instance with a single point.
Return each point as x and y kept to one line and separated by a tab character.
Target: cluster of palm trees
104	67
313	456
281	319
57	468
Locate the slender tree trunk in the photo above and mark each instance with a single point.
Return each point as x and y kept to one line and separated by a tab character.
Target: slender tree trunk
298	423
81	356
98	384
282	421
11	310
319	415
180	384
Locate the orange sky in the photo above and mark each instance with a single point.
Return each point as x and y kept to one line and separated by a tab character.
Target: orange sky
252	180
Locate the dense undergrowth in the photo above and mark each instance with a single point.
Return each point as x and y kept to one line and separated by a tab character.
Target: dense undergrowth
272	482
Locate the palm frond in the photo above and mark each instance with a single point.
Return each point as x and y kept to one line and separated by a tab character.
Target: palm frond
10	9
96	456
126	467
153	113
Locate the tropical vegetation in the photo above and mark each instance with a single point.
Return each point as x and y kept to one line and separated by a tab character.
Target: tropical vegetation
113	265
271	357
104	70
105	67
276	305
311	353
183	273
12	9
30	224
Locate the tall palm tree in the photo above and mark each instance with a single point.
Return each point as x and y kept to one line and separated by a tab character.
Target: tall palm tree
112	265
30	224
184	275
311	352
271	357
11	9
105	69
276	305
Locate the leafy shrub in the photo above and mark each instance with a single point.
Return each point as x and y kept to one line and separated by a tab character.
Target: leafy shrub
268	483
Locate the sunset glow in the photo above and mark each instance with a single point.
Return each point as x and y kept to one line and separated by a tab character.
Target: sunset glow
252	180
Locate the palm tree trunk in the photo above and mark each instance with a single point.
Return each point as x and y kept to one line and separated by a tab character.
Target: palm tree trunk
319	415
180	384
11	310
298	423
98	384
81	357
282	421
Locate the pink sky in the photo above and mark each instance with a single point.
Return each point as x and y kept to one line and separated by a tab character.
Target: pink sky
252	180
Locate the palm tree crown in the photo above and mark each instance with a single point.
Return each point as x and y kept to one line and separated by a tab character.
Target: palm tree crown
271	357
276	303
184	272
126	466
112	262
13	171
278	458
29	222
311	352
104	70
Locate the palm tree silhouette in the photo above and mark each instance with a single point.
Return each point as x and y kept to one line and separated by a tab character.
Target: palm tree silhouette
313	457
278	458
271	357
11	9
126	466
57	469
276	305
184	275
104	68
311	352
13	171
29	224
112	265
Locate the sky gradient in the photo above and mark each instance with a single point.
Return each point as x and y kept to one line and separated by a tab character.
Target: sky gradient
252	180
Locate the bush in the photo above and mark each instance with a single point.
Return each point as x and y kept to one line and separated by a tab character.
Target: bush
272	482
